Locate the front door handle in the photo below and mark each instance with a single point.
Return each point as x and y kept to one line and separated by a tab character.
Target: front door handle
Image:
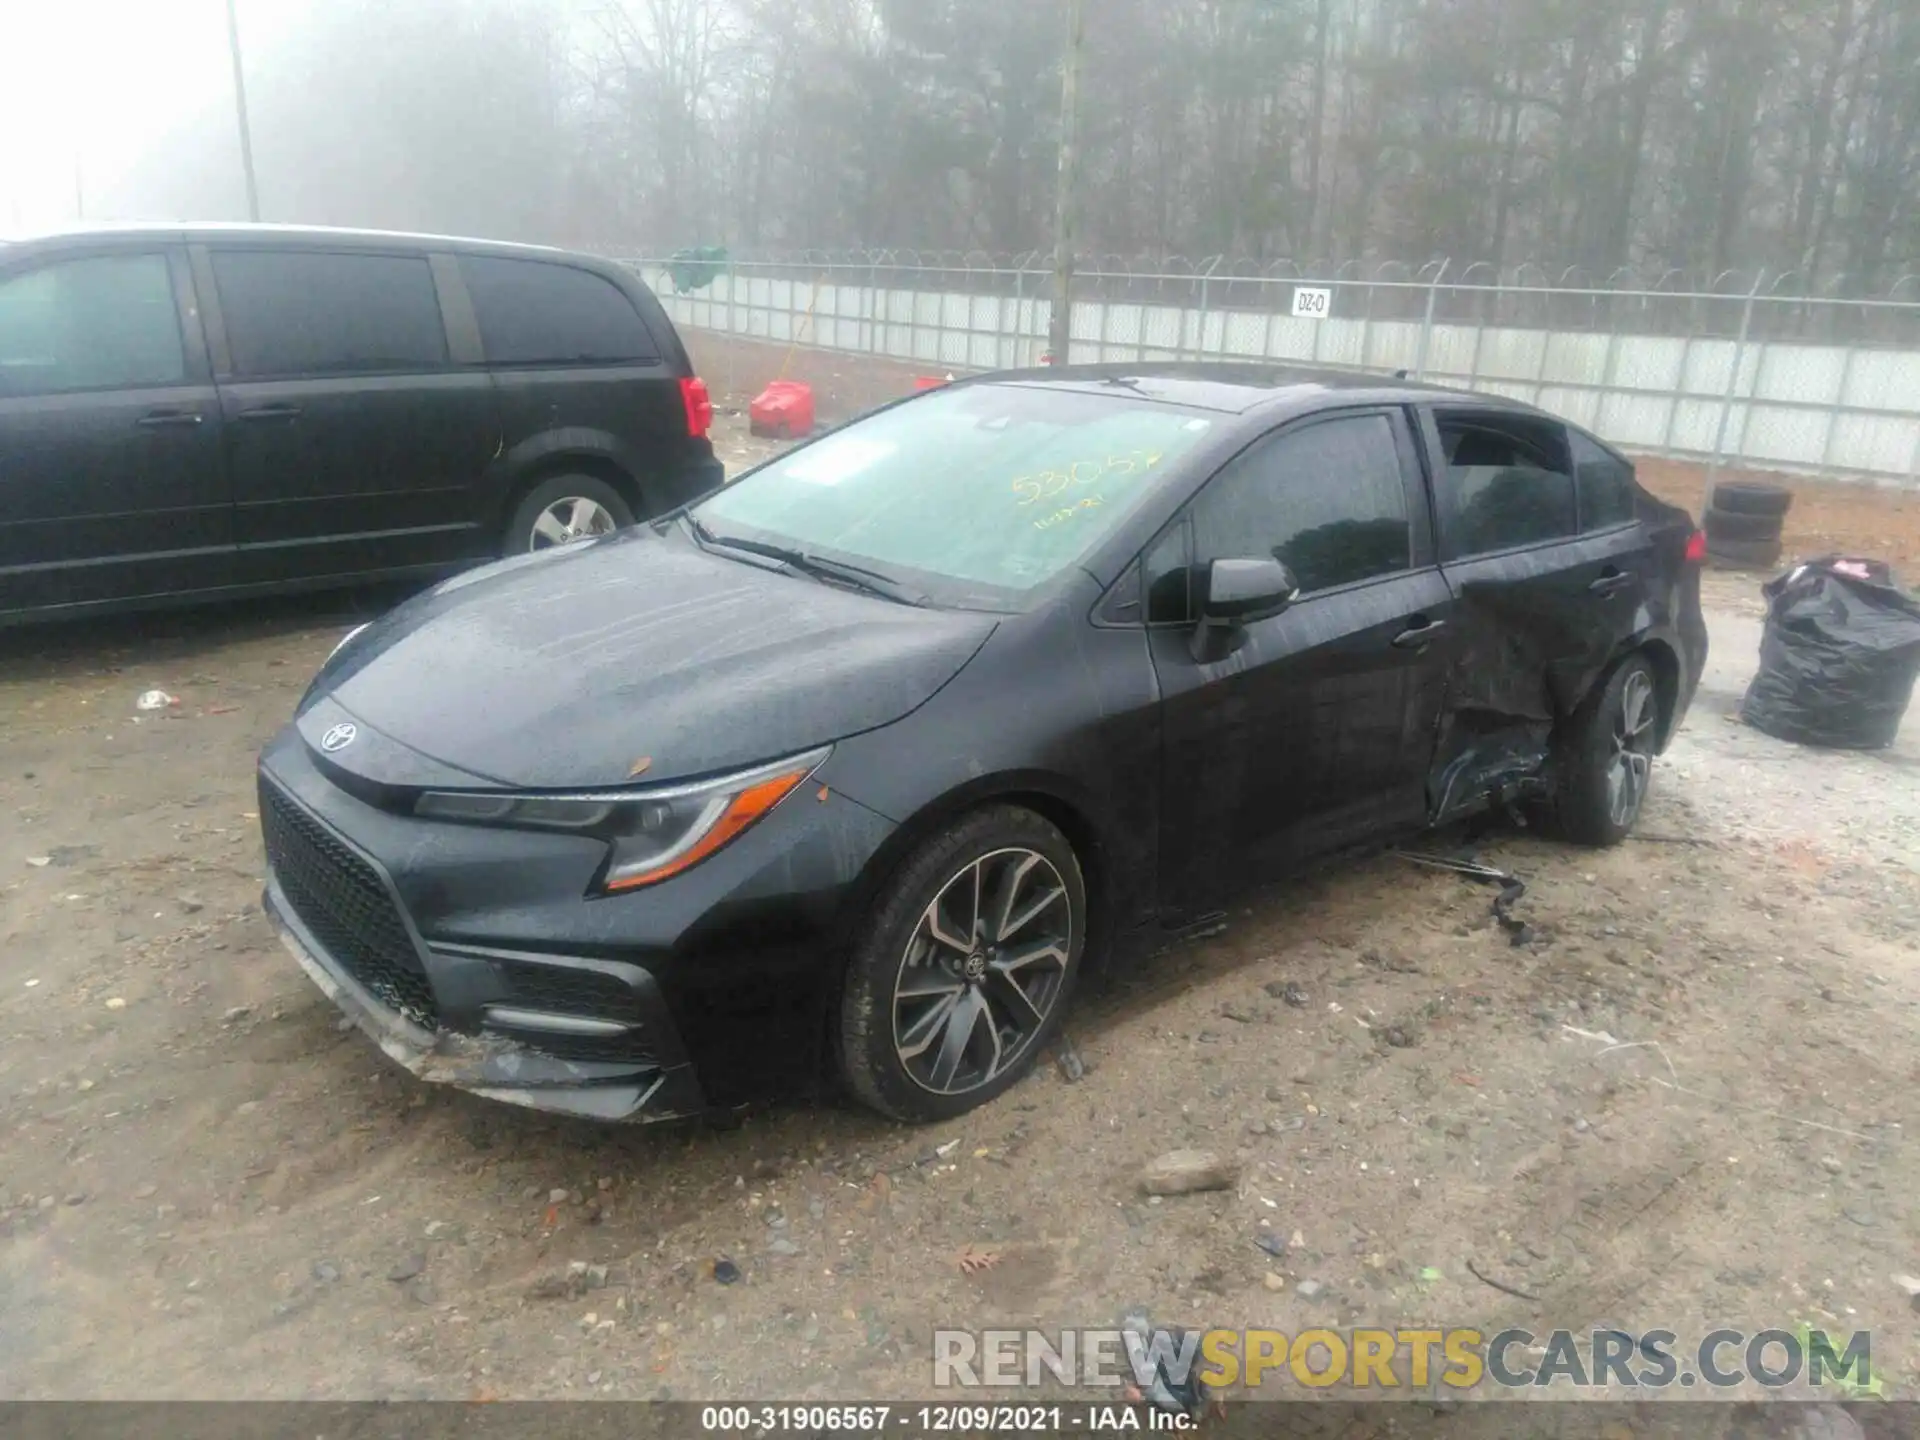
1418	637
154	419
270	412
1611	583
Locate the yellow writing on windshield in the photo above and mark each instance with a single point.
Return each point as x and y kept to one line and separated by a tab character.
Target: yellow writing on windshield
1045	484
1065	513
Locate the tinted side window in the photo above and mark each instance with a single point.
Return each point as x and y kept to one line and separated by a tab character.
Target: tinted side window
1166	573
105	323
299	312
1508	482
533	313
1328	500
1606	485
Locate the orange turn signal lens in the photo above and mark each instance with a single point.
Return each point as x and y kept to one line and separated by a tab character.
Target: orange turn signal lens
742	811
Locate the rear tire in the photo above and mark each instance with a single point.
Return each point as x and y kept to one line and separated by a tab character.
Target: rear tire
963	971
1750	497
1603	760
563	509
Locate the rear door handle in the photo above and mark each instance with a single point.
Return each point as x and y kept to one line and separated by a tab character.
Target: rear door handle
1612	584
1418	637
270	412
156	418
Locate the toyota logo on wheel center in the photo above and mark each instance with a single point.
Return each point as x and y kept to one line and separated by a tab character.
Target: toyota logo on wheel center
339	737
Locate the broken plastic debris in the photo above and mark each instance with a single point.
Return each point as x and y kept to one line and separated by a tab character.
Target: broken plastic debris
156	700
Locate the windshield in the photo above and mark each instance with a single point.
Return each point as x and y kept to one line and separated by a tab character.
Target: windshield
992	489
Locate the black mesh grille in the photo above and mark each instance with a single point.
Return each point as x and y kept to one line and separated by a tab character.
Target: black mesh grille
571	992
589	993
345	906
629	1049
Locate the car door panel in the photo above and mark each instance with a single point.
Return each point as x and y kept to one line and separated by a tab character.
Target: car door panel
346	476
356	439
1316	732
112	481
1312	736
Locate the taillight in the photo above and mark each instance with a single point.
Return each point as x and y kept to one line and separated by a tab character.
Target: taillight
693	394
1697	547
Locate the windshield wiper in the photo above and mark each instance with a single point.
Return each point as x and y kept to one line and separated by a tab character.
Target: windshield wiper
875	582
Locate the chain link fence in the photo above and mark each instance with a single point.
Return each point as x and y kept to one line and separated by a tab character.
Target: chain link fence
1744	370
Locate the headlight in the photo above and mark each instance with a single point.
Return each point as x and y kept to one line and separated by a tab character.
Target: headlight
653	833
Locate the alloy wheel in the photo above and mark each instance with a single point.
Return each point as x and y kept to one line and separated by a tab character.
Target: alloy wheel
1630	762
982	971
570	518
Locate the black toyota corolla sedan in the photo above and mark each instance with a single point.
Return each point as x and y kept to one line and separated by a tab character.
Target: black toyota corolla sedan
851	769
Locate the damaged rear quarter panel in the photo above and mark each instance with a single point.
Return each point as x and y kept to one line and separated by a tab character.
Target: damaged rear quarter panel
1530	641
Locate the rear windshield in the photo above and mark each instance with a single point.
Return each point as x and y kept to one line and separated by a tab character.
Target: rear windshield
991	489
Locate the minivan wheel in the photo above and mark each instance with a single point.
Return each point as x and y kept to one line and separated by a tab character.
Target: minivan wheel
564	509
963	970
1605	757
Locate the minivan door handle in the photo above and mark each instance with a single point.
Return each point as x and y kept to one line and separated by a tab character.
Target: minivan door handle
154	419
1418	637
270	412
1611	582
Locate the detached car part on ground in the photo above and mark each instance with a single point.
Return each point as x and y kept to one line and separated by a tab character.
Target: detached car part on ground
853	768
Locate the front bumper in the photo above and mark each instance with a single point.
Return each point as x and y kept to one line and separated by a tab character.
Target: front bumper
566	1034
489	1065
481	957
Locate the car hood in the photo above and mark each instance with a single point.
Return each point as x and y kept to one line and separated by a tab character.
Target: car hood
641	655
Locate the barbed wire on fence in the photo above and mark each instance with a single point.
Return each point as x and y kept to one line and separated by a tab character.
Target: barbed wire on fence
1767	305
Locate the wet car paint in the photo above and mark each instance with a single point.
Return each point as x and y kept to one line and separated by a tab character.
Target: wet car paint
1177	780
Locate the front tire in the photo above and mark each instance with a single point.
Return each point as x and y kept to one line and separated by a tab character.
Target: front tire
563	509
1605	757
964	968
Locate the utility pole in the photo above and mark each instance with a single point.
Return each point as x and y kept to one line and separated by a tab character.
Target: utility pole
1061	332
240	108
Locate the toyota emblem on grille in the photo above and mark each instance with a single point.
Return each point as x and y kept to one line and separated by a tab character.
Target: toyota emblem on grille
339	737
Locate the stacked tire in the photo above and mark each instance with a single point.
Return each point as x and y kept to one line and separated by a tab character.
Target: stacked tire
1743	524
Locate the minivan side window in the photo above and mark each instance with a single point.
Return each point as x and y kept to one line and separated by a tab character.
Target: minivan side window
310	312
107	322
1507	482
1328	499
535	313
1606	485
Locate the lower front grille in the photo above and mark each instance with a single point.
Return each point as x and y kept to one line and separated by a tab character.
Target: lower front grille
590	994
345	905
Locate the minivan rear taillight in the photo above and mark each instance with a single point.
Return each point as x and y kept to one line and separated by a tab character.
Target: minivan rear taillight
693	394
1697	547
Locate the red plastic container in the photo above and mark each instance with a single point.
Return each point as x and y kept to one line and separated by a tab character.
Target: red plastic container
784	409
928	382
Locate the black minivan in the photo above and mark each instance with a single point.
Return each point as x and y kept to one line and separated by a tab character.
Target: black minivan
192	412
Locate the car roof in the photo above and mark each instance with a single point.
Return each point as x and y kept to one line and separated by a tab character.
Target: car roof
182	231
1238	388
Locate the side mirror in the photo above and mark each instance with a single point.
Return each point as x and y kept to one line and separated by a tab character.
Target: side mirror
1238	592
1243	590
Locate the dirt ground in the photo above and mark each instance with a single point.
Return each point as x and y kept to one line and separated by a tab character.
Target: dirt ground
1687	1103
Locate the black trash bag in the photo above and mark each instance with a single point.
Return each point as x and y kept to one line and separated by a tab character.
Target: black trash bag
1838	657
